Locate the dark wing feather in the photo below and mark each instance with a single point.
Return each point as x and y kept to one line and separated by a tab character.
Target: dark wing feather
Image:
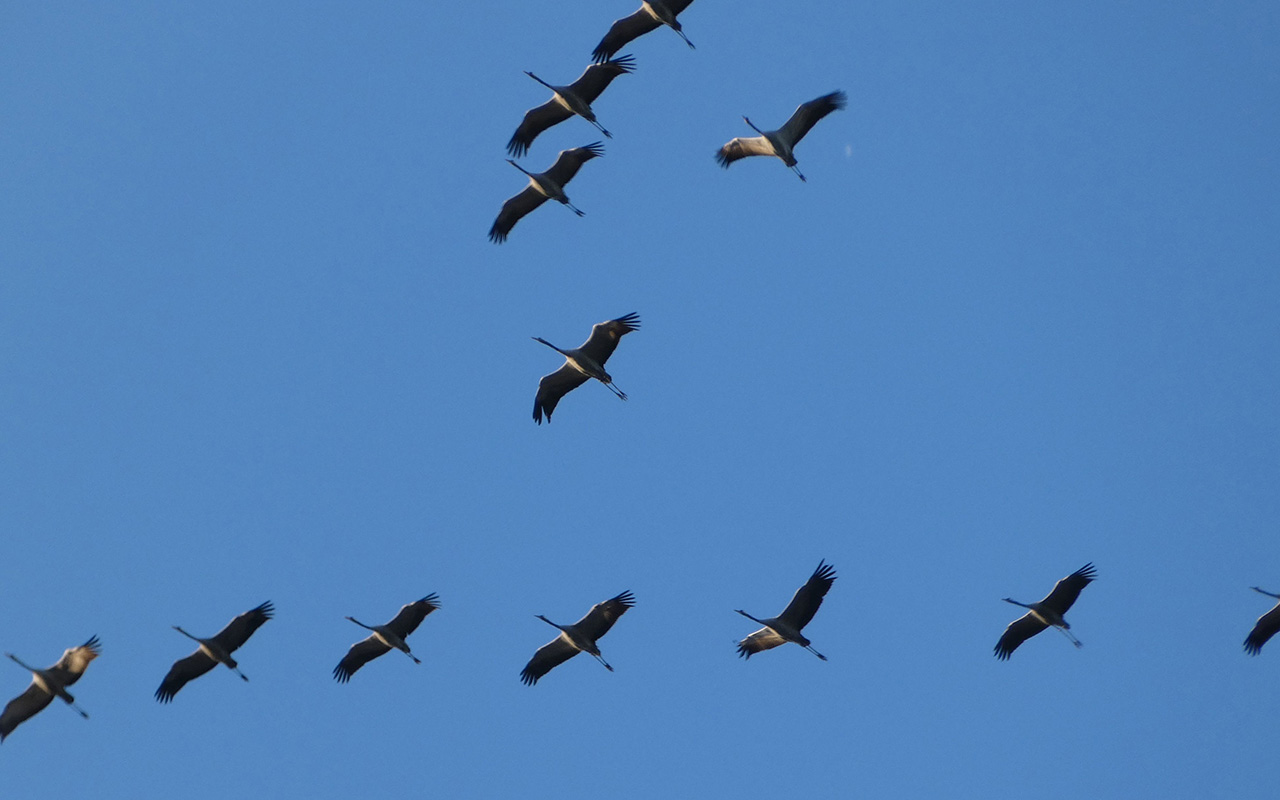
22	708
549	656
536	120
75	660
568	162
242	627
624	30
807	115
183	670
605	335
513	210
763	639
601	617
1068	589
1263	630
1020	630
361	653
597	77
412	614
804	604
553	387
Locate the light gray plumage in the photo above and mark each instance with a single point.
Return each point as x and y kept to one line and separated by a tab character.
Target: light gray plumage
543	185
799	612
653	14
213	651
576	98
47	684
580	637
386	637
582	363
782	142
1048	612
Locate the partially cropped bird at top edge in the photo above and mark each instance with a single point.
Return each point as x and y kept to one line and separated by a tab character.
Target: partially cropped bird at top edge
576	98
213	651
386	637
782	142
1049	612
47	684
1264	628
580	637
786	626
582	363
543	185
653	14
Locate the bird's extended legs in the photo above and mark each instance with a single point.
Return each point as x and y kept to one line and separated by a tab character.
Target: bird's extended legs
1071	636
71	701
600	658
796	170
573	208
602	130
809	647
686	40
416	660
621	394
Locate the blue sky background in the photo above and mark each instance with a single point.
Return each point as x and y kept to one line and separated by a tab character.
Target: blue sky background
255	345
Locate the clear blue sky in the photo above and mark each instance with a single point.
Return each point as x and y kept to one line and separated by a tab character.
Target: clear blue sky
255	345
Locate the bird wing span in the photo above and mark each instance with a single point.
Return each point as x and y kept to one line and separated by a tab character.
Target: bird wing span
536	120
1020	630
763	639
807	115
412	614
1068	589
597	77
804	604
549	656
183	670
22	708
605	335
242	627
361	653
75	660
601	617
1264	629
741	147
513	210
624	30
568	162
553	387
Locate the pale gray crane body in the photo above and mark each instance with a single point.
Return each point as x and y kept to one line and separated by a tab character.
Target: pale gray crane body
385	638
214	651
1048	613
781	143
580	637
652	14
582	363
47	684
543	186
576	98
787	626
1264	628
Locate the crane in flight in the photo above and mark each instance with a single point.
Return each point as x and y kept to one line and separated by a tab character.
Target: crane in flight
582	363
47	684
576	98
799	612
1046	613
543	186
386	637
782	142
580	637
653	14
214	651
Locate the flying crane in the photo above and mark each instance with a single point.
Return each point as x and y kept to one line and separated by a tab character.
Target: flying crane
782	142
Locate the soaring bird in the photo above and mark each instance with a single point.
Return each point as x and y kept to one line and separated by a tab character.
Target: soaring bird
653	14
581	363
786	626
1048	612
1265	628
579	637
214	651
542	185
385	637
576	98
782	142
47	684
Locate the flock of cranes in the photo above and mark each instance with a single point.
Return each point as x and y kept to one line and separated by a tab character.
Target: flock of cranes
582	636
575	99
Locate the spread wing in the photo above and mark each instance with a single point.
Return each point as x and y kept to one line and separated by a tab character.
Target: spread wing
513	210
1020	630
1263	630
804	604
741	147
763	639
536	120
361	653
242	627
412	614
601	617
1066	591
183	670
553	387
605	335
75	660
807	115
22	708
569	161
623	31
549	656
597	77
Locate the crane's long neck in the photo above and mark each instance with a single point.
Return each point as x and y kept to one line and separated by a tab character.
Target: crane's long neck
522	169
361	624
544	619
539	80
1015	602
753	127
748	616
189	636
1263	591
19	662
566	355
